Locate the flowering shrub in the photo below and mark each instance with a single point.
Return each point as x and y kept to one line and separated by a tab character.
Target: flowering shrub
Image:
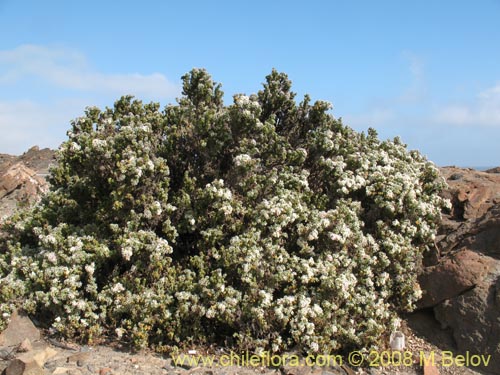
266	221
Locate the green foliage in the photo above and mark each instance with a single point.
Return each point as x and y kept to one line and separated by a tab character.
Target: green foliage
265	220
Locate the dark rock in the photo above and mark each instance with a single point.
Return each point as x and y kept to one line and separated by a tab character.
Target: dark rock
455	176
493	170
474	318
452	276
20	367
461	279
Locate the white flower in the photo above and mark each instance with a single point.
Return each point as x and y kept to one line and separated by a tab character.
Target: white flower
313	235
127	253
74	146
117	288
242	160
119	332
51	257
99	144
90	268
314	346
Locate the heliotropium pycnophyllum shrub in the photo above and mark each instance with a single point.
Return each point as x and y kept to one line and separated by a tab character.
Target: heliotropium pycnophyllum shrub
266	221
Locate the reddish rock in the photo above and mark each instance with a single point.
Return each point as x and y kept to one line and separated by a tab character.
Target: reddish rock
452	276
462	280
472	192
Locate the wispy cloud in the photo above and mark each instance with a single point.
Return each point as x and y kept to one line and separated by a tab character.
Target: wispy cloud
417	88
69	69
483	111
33	119
25	123
390	110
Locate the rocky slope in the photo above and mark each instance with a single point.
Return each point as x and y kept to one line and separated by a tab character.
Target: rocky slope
22	178
460	308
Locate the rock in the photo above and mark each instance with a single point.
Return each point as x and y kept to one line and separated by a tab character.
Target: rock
493	170
40	356
483	234
60	370
471	192
348	370
105	371
79	358
23	178
296	370
461	280
5	354
430	370
474	318
19	329
51	365
25	346
19	176
452	276
20	367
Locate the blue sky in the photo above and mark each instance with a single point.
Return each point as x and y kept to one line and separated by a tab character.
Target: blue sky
428	71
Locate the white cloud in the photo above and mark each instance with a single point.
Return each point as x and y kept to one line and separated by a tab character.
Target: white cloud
31	119
25	123
69	69
484	111
417	88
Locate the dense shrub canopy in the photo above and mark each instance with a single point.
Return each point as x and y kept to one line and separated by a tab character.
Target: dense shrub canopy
265	221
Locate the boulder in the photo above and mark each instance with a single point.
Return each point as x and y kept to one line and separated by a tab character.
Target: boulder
20	176
472	192
452	276
461	276
23	178
19	367
20	328
474	318
30	363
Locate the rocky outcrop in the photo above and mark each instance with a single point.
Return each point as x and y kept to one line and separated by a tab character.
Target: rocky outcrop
23	178
453	276
461	280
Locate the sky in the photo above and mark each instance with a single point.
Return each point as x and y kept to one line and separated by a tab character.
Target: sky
427	71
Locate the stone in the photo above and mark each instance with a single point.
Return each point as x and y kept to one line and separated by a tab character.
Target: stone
5	354
430	370
105	371
348	370
20	367
452	276
79	358
296	370
60	370
19	329
474	319
40	356
25	346
461	283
